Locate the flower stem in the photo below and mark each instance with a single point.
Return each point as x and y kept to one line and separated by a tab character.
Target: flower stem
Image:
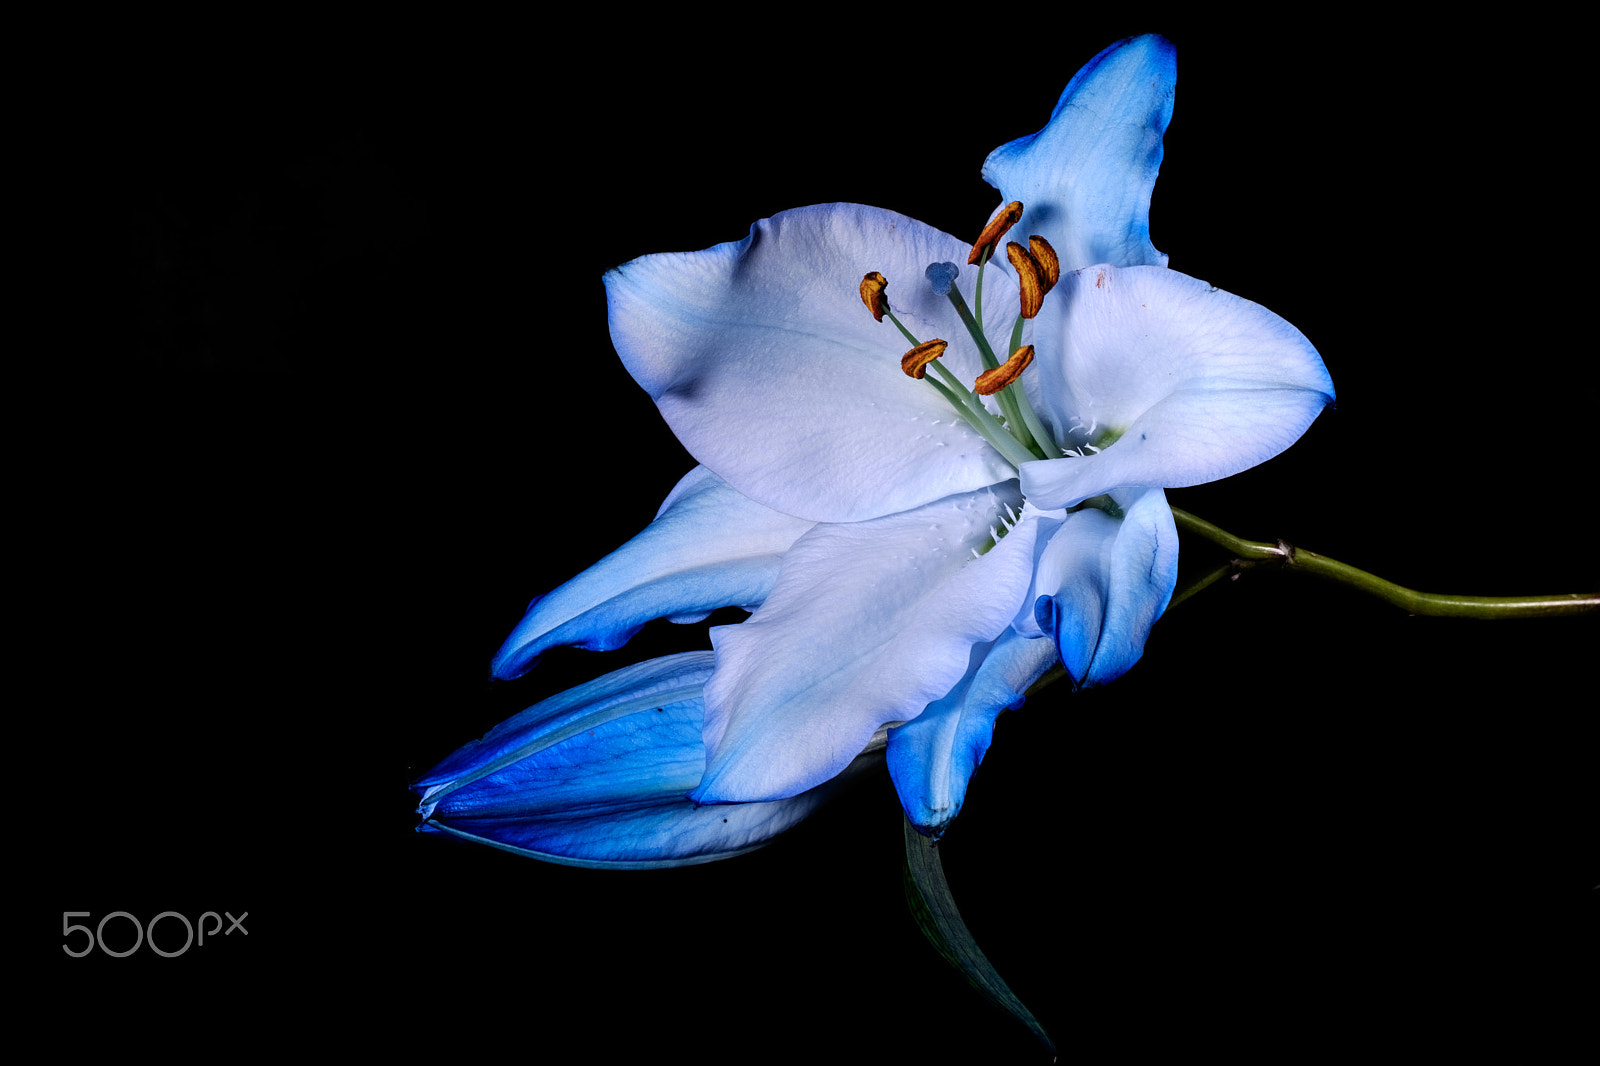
1439	605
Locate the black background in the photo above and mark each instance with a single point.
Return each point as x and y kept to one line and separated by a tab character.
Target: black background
369	408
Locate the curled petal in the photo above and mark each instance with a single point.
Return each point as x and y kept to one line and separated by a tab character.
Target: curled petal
708	547
1102	582
1196	384
1086	178
596	777
760	359
868	624
933	756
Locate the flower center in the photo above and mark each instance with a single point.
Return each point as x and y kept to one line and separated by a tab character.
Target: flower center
1014	429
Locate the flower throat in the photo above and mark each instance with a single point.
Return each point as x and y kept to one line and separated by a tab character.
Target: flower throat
1017	432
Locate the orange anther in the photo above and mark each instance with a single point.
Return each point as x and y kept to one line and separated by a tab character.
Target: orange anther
872	286
915	362
992	381
1029	278
983	247
1049	262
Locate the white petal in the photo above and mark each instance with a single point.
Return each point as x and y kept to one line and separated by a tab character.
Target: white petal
708	547
1200	383
769	369
868	624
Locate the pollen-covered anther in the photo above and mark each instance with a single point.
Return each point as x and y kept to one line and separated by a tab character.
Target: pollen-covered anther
915	362
1030	278
992	381
872	288
984	246
1049	263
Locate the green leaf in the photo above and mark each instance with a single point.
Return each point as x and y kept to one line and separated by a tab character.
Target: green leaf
934	908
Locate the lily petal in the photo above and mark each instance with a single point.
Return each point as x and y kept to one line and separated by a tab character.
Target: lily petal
868	624
596	777
708	547
763	361
933	756
1085	179
1201	384
1102	582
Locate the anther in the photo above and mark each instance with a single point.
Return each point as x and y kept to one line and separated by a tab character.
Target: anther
1029	276
915	362
1049	262
872	286
983	247
992	381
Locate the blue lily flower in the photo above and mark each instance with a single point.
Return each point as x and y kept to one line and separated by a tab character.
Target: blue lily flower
917	552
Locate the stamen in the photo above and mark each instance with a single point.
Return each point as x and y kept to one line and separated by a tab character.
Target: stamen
872	287
992	381
1049	262
983	247
915	362
1029	278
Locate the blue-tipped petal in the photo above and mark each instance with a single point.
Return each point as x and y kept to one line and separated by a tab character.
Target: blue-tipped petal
1102	582
1085	179
708	547
933	756
597	775
1070	587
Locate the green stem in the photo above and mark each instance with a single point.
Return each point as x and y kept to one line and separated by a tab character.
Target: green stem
1438	605
906	333
1009	402
977	416
974	330
977	290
